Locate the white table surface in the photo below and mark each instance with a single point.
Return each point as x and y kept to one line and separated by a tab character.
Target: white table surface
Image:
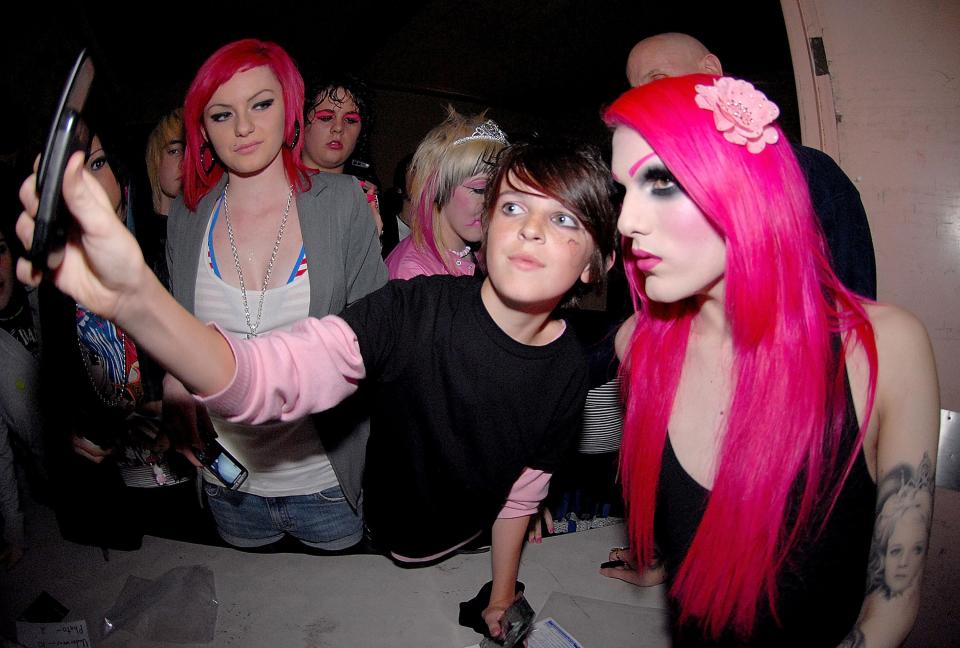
310	601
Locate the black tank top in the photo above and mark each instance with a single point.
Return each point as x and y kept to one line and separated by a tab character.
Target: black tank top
820	589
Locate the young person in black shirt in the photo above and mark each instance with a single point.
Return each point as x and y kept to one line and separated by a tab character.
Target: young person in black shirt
477	385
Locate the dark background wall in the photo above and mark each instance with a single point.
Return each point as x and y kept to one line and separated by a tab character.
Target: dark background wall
538	65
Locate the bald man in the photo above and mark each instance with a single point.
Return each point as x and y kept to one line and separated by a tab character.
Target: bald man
835	200
669	55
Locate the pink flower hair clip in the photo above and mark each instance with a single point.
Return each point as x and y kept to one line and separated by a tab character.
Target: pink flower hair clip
741	112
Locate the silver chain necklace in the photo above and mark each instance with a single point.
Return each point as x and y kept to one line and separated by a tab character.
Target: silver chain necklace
253	327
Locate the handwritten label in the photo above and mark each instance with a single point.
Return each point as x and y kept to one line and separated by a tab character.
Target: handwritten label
66	634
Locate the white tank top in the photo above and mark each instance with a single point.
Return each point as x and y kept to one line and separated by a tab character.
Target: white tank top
283	459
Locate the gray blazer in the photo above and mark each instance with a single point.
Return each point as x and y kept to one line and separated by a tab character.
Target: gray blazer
343	254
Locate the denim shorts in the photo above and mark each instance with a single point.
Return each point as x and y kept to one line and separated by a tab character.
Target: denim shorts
321	520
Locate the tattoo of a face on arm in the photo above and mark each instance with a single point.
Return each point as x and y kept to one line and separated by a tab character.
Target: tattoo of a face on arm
901	530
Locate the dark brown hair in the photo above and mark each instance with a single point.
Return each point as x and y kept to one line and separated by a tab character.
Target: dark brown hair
574	175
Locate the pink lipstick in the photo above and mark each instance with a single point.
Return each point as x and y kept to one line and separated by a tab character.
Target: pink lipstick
645	261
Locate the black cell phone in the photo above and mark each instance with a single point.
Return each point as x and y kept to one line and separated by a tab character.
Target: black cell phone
516	623
222	465
68	134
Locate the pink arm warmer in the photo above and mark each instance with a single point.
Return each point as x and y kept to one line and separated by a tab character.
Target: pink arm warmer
527	493
288	374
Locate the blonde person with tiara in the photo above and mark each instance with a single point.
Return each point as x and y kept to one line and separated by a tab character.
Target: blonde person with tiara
449	175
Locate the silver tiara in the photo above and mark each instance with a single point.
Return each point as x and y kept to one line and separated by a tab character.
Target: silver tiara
488	130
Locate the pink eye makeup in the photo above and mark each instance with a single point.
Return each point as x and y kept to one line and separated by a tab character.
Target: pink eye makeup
636	165
477	187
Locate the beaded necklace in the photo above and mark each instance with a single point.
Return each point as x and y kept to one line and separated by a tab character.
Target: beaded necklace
108	358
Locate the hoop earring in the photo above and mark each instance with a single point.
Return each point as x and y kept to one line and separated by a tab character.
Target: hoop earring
296	134
207	168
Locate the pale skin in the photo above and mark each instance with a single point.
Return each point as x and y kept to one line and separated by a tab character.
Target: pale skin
903	425
537	250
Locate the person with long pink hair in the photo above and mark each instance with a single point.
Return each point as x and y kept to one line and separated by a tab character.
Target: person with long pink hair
764	401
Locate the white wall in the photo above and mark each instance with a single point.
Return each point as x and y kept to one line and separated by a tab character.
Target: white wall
889	112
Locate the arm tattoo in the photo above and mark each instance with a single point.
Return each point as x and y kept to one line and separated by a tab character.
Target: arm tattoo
854	640
902	528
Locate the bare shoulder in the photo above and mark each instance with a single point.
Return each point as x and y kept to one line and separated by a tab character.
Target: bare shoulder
894	318
906	380
901	336
908	396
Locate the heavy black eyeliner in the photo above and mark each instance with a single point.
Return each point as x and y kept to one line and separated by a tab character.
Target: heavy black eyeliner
660	173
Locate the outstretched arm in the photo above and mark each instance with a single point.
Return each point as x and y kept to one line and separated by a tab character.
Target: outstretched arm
907	407
103	269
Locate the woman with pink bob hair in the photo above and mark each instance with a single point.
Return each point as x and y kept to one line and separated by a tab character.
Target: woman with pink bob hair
254	245
200	157
764	400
